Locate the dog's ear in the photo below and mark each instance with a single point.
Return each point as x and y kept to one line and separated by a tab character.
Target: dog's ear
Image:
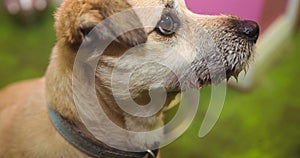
75	20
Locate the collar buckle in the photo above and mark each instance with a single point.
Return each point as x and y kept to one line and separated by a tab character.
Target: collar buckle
151	154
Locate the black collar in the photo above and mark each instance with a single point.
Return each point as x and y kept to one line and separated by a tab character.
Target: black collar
88	147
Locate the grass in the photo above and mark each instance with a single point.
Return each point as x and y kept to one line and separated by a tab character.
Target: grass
24	49
263	123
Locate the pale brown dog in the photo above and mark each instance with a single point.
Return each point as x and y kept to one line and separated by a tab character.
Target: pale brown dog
25	127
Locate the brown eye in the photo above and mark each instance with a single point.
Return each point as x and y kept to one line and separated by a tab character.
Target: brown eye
167	26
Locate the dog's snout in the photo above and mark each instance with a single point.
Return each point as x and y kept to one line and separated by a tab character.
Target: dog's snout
250	29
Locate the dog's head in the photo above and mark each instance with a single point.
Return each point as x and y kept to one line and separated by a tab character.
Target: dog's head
211	48
132	49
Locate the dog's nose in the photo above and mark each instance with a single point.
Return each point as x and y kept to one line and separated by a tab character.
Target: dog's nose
250	29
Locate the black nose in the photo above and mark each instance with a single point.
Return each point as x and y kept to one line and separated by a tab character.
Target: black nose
250	29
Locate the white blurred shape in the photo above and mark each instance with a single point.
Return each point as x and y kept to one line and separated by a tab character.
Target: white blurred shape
40	5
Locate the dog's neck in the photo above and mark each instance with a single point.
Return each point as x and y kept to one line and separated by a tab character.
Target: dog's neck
60	97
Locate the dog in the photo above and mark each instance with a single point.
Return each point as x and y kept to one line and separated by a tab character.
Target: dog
39	118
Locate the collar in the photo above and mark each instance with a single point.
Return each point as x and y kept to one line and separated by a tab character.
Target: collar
88	147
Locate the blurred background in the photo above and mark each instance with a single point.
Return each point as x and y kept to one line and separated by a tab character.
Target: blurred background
261	115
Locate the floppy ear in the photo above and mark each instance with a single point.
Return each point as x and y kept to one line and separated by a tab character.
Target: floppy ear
74	21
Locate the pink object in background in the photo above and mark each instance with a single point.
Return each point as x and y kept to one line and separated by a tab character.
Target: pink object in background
245	9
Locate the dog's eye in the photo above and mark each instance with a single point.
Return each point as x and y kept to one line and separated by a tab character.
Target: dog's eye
167	26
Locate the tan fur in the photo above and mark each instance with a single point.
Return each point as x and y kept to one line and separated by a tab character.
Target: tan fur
25	129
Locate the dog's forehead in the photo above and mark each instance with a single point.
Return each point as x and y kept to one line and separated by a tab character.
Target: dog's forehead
143	3
156	3
157	6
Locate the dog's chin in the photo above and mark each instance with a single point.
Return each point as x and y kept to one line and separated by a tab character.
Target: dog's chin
236	72
237	69
238	62
230	67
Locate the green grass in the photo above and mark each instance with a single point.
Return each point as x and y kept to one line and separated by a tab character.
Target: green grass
264	123
24	49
